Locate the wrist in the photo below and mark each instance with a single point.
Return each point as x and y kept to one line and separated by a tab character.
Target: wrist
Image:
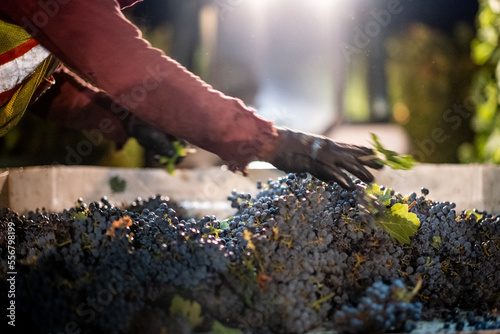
271	144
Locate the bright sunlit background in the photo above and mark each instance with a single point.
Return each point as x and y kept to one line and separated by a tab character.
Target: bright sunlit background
283	57
341	68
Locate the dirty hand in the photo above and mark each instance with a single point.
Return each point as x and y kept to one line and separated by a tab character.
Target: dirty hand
323	158
153	140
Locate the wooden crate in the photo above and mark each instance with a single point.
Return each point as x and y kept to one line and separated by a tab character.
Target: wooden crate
471	186
56	188
204	191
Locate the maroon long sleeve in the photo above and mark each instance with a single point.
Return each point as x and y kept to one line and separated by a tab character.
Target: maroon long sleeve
96	41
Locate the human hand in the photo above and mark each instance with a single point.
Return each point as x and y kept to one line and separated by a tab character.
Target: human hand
297	152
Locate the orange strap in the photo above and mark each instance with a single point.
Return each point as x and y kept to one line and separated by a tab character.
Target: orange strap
17	51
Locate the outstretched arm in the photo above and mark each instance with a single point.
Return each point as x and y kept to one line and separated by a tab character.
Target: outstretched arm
95	40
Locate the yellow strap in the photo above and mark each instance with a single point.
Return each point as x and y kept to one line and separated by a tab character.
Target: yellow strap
11	36
13	110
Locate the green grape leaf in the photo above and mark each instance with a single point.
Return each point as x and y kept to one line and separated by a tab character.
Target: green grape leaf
218	328
469	213
436	241
225	223
170	162
117	184
80	215
406	294
392	159
191	311
383	196
399	223
213	231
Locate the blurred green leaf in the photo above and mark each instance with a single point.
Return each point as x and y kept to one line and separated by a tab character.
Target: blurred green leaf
117	184
469	213
218	328
392	159
481	51
486	120
436	241
80	215
486	111
492	146
225	223
191	311
383	196
171	162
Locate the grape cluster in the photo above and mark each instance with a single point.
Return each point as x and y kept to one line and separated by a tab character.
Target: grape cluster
302	254
94	267
385	307
458	254
314	250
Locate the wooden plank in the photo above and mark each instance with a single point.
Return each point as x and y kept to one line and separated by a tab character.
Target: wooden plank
469	186
58	187
4	190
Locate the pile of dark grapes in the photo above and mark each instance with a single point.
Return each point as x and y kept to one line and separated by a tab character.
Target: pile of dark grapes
301	255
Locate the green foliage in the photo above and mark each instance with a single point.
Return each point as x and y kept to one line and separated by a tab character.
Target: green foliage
392	159
486	122
383	196
404	294
117	184
171	162
224	224
436	241
218	328
470	213
213	231
80	215
400	223
395	220
191	311
429	77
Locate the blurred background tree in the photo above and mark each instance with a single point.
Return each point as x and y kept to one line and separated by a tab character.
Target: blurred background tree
486	121
418	74
429	74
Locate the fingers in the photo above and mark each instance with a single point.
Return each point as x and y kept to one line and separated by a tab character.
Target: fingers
323	158
360	172
370	161
328	173
363	155
350	158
